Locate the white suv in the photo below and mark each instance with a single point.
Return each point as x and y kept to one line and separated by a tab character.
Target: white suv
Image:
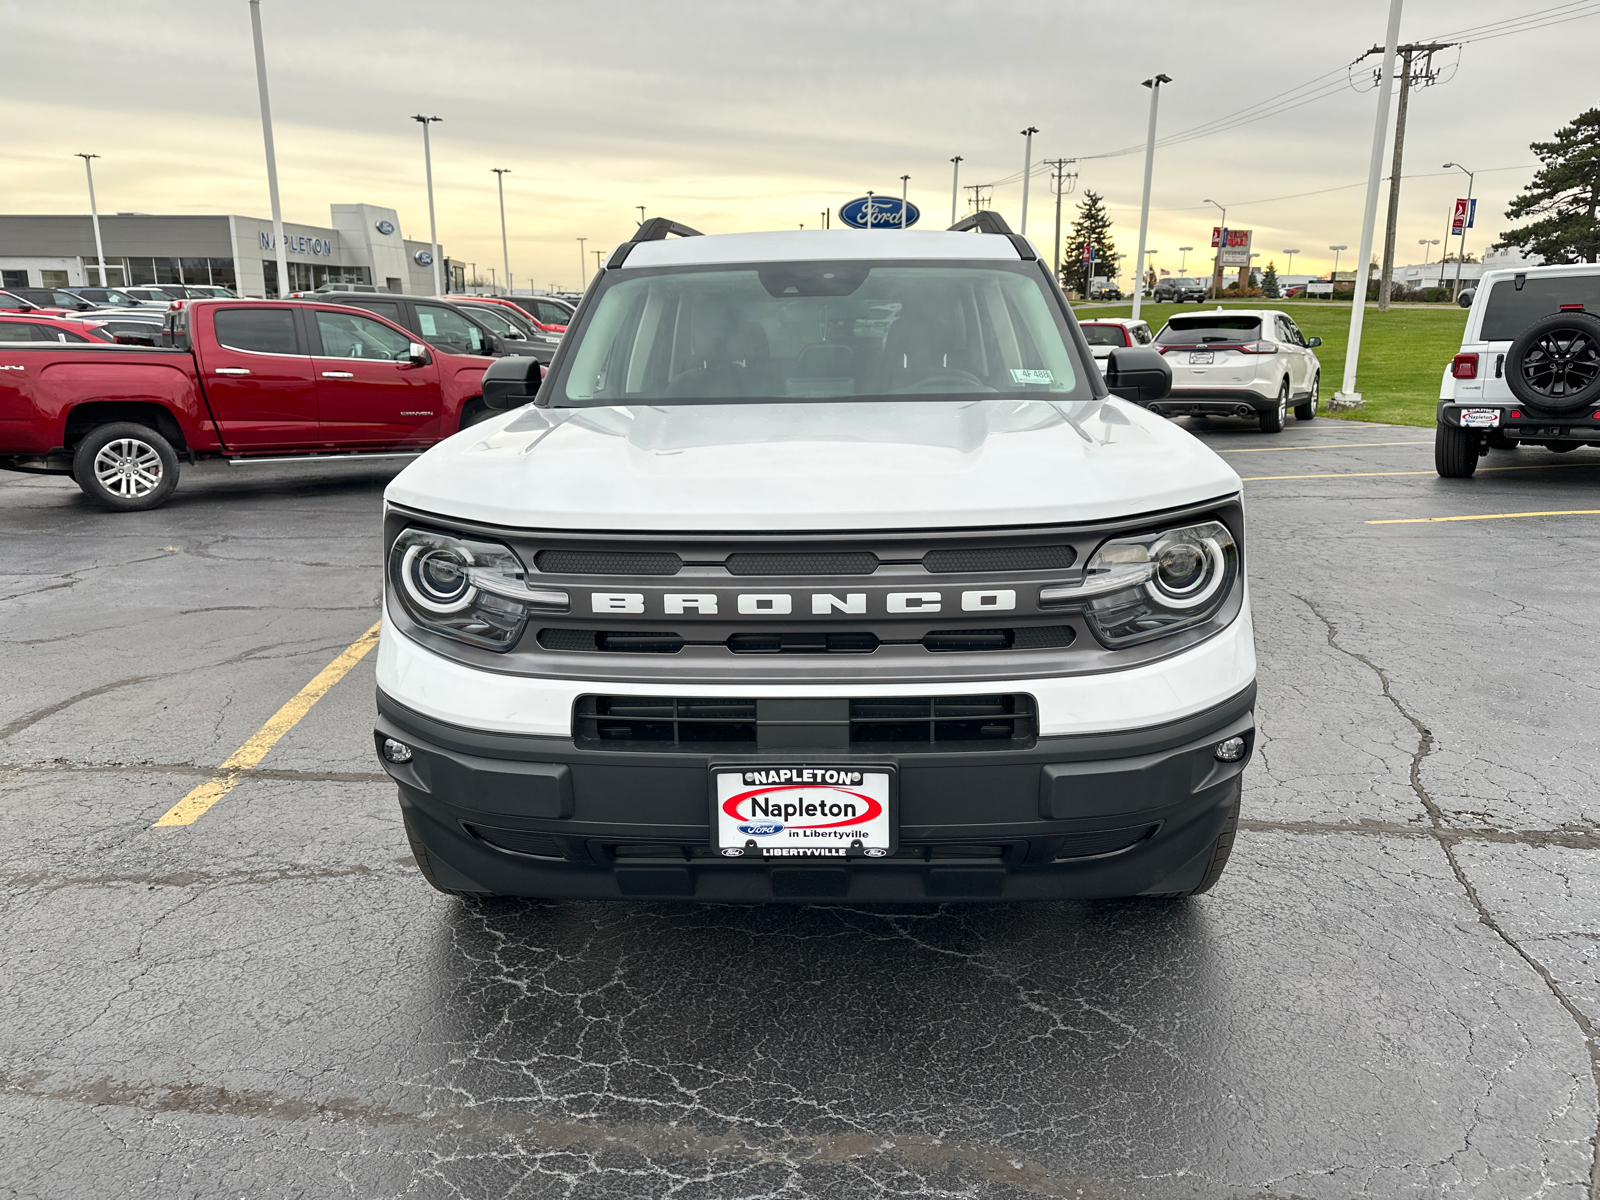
1240	362
822	566
1528	370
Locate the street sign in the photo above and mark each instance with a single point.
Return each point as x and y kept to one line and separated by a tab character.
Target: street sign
885	212
1466	210
1236	253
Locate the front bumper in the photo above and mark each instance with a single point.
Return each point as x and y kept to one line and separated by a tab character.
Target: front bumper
1081	816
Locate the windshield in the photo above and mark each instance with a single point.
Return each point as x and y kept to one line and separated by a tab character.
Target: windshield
1209	327
820	330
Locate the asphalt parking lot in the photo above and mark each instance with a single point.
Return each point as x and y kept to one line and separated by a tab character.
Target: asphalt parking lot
1391	993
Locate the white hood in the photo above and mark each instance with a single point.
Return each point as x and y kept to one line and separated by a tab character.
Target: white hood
814	466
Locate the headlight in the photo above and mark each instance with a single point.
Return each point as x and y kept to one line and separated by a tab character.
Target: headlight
1143	587
472	590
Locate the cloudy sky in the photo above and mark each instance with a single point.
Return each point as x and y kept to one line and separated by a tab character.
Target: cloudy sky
736	115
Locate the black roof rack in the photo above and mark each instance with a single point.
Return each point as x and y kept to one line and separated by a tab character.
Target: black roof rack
983	221
655	229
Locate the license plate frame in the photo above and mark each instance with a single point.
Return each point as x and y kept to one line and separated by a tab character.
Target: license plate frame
1480	418
814	836
1202	358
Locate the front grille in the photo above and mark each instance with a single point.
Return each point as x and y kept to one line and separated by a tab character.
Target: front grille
628	641
941	720
1000	558
906	725
607	562
664	722
848	563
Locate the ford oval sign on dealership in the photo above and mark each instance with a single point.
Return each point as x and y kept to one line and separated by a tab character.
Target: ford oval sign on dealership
424	258
386	227
885	213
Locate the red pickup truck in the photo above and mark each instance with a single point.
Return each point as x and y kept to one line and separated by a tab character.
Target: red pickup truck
243	380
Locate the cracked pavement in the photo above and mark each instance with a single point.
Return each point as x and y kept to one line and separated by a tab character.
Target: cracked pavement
1393	992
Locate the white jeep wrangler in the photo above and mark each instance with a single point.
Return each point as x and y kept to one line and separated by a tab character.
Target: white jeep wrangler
1528	370
820	566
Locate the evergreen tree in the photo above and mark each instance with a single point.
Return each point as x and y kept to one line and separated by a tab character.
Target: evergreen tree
1092	226
1269	282
1563	197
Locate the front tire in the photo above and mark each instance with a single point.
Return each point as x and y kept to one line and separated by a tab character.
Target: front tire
1307	411
125	467
1455	452
1272	418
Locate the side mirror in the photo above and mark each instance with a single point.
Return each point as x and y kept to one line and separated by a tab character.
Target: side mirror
1138	373
493	346
511	382
416	355
1313	342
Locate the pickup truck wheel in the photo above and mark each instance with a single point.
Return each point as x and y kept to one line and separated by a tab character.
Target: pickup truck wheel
420	853
125	467
1272	418
1307	410
1455	452
1221	851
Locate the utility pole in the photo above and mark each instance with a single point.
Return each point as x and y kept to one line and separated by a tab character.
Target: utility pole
1154	84
905	184
1347	396
500	174
978	201
597	255
1027	170
433	229
1060	176
1425	75
272	154
640	207
94	216
583	266
955	189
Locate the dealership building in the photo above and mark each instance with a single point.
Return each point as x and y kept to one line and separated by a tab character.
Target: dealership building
361	244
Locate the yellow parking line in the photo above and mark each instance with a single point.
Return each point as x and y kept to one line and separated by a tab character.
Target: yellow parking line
1377	474
198	802
1320	446
1558	512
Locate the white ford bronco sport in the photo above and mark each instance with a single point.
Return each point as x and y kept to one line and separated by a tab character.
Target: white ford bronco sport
1528	370
819	566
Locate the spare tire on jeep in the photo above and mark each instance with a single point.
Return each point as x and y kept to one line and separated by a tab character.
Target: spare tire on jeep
1554	364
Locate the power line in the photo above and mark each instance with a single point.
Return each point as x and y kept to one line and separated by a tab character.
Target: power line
1554	15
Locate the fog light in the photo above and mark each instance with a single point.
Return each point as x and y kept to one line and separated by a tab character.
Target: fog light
1231	750
399	752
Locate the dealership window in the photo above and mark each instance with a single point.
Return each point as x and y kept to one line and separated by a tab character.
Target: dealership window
304	277
116	273
143	271
53	279
13	279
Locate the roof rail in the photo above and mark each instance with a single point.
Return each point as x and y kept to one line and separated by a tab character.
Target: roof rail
655	229
983	221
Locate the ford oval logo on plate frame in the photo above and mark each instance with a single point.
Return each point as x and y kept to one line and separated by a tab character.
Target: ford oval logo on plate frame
385	227
885	212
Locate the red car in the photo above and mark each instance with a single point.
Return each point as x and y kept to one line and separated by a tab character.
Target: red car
549	315
242	380
38	325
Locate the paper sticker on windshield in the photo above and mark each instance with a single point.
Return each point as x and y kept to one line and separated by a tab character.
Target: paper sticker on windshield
1027	375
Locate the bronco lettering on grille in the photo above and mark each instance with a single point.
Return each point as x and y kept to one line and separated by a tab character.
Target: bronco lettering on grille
819	604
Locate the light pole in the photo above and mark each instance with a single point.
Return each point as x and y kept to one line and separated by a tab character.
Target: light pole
272	154
826	211
1154	84
1027	170
1425	243
583	265
94	216
1289	270
1347	396
597	254
433	229
1216	263
1183	263
1461	250
640	207
955	187
905	184
1334	278
500	174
